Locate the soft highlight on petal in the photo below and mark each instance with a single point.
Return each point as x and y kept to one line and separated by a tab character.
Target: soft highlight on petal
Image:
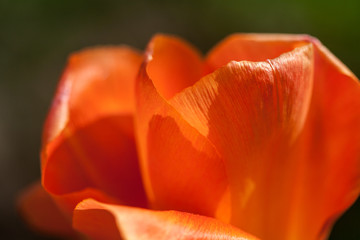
118	222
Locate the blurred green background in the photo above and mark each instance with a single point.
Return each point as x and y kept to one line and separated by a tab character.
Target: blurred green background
37	36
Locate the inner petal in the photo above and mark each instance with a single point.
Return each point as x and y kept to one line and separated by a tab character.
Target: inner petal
173	65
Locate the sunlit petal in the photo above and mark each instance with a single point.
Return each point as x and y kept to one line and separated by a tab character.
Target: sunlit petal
118	222
253	113
328	151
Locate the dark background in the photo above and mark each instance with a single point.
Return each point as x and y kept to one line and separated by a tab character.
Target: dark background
36	37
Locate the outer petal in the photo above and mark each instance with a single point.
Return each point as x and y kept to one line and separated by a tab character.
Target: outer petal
100	155
253	112
105	221
181	168
296	185
88	137
97	82
42	214
328	150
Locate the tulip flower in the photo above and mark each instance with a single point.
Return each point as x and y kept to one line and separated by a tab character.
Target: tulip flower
260	139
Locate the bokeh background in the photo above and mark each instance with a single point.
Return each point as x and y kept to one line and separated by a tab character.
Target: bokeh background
36	36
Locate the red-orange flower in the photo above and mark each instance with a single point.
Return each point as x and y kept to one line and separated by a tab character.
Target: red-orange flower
259	138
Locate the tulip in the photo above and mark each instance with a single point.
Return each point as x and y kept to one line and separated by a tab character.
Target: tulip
260	139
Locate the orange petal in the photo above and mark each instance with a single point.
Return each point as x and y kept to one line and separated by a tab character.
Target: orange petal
293	190
180	167
253	112
42	214
328	151
175	65
97	82
88	136
252	47
105	221
66	203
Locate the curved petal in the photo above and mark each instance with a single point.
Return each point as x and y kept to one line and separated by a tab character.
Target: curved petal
41	213
253	112
299	184
174	66
66	203
253	47
118	222
97	82
180	168
88	136
328	151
